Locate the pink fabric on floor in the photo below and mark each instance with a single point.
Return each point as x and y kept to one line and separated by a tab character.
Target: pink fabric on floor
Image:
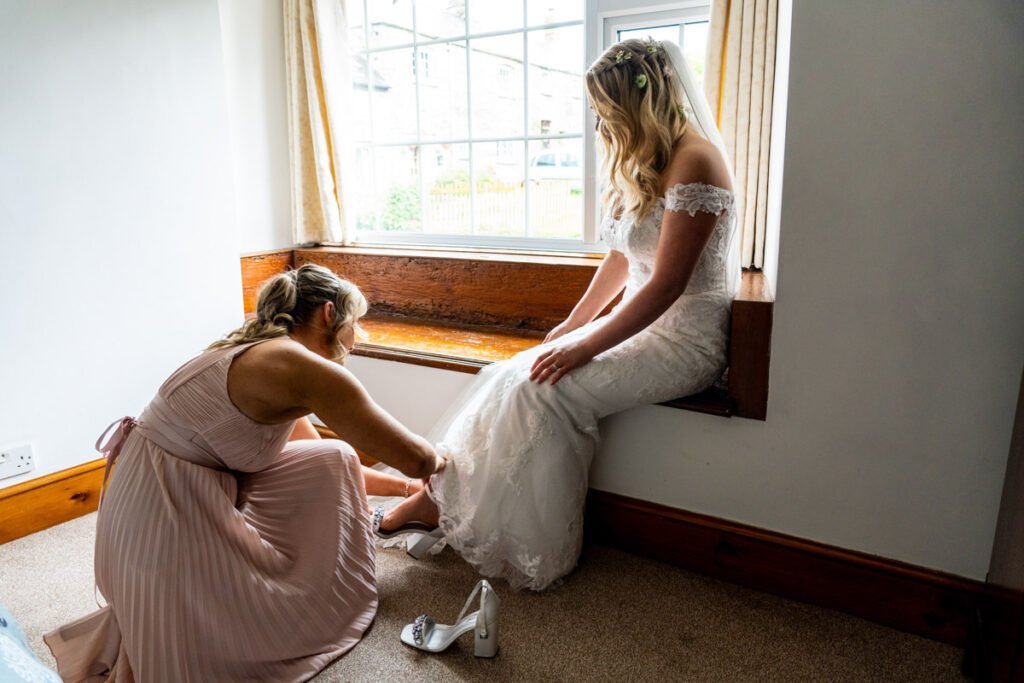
225	552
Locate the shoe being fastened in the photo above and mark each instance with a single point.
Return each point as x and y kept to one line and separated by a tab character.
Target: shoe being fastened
426	634
424	537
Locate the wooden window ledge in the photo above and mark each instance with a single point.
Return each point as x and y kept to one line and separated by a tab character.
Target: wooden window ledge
458	311
466	348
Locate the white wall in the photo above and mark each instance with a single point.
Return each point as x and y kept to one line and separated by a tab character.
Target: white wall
118	257
898	330
899	324
253	41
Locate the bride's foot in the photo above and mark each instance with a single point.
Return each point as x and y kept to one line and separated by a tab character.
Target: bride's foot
416	508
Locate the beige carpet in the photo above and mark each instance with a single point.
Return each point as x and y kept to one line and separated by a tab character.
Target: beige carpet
617	618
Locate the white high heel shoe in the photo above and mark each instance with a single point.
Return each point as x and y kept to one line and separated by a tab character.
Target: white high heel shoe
424	537
426	634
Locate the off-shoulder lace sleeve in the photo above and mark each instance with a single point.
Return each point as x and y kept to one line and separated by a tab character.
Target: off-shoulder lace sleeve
694	197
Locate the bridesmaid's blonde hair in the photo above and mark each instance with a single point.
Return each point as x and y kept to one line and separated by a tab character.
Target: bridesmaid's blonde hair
640	118
290	300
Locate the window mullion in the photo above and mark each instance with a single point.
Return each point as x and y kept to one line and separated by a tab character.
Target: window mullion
369	100
469	128
417	72
526	128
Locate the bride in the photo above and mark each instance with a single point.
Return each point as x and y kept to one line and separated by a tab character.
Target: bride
520	443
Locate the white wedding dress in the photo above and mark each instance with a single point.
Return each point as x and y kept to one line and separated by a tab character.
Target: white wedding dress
511	498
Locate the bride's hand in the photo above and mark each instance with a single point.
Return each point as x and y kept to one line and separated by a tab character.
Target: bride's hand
560	330
555	362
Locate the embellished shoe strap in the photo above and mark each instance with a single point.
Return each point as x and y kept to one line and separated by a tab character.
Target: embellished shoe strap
378	517
420	627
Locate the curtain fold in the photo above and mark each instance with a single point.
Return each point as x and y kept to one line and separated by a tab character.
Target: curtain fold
317	67
740	76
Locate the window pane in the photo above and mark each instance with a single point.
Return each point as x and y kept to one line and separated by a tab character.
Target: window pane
497	71
364	207
495	15
555	80
393	95
390	22
556	188
553	11
446	184
500	195
398	189
356	25
443	114
440	19
670	32
695	45
359	103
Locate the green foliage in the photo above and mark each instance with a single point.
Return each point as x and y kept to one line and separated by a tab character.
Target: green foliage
456	181
402	210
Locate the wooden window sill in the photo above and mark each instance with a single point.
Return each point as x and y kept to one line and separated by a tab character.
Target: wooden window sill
460	311
466	348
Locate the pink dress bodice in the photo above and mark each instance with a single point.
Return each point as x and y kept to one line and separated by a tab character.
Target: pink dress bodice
193	409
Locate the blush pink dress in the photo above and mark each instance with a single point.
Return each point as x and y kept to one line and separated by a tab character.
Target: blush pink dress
224	551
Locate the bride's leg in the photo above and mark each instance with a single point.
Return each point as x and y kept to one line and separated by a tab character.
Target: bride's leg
380	484
416	508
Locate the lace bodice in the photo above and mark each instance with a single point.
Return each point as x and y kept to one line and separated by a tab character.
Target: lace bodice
638	241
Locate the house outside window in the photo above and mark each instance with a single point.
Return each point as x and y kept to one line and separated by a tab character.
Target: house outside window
485	141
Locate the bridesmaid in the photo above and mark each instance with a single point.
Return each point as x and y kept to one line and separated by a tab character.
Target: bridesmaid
225	551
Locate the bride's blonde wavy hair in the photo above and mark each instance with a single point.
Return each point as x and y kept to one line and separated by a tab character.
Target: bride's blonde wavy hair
640	118
290	300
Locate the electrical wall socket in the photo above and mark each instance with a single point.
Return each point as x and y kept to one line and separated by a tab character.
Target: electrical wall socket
15	460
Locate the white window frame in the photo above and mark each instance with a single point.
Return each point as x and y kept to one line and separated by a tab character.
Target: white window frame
597	38
389	238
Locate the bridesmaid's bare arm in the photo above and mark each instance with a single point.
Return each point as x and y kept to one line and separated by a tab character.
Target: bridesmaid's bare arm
282	380
377	483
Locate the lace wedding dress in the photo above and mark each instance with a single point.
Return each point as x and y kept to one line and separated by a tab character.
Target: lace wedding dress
511	498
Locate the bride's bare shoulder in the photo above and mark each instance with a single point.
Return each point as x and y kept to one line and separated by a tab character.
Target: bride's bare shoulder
696	160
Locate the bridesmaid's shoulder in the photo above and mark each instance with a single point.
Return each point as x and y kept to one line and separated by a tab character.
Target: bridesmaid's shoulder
277	353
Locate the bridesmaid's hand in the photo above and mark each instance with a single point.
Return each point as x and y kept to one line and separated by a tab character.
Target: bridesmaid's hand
555	362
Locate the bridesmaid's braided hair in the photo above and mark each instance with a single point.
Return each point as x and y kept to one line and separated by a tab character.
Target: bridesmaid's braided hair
290	300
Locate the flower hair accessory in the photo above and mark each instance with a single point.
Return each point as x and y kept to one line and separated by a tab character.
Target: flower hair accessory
640	80
622	56
653	46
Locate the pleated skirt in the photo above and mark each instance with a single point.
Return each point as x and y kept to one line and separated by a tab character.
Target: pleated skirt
225	576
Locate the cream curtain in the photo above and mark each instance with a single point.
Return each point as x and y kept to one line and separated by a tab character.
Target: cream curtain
317	69
739	76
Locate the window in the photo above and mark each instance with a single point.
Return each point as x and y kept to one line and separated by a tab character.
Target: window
484	141
686	26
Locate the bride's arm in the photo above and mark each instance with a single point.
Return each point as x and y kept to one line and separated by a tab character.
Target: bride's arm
608	281
682	240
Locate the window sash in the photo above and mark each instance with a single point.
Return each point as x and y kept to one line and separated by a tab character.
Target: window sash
601	35
363	237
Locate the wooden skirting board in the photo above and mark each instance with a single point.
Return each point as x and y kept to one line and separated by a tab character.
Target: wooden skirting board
922	601
902	596
40	503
